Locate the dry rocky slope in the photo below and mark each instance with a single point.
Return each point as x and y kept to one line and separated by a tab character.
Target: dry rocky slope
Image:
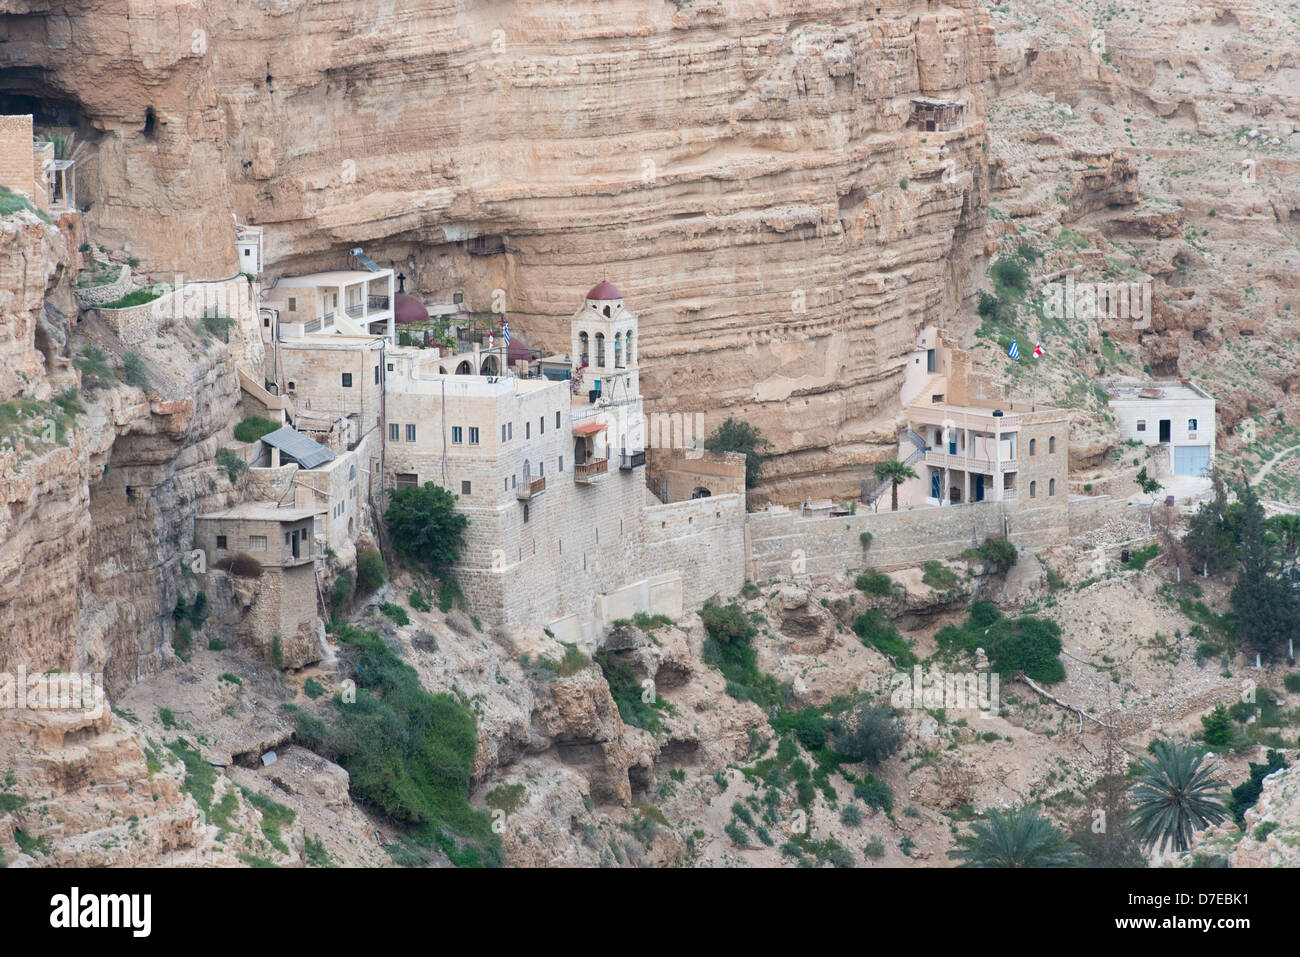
741	169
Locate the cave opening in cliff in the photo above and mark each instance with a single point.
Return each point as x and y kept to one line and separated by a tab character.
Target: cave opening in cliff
150	123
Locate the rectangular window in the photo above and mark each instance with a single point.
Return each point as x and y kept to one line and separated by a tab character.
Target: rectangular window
507	481
1142	425
464	488
541	469
390	367
347	380
561	463
541	425
510	430
376	375
406	480
528	429
394	431
557	418
410	433
221	541
1191	425
473	435
503	433
257	543
457	435
293	304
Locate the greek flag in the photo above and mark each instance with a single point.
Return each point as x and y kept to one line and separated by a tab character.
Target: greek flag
1014	351
505	330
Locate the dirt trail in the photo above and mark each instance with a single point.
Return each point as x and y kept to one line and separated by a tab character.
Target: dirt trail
1268	466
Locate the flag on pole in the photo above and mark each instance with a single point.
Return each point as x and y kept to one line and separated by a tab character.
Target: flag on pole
1014	351
1038	350
491	341
505	331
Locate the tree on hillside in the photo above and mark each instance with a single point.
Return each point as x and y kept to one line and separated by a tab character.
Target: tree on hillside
1287	530
896	473
425	525
1016	837
1175	795
1267	606
734	435
1211	539
871	733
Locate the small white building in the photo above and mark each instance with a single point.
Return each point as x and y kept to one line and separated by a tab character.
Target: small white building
355	301
1176	415
248	247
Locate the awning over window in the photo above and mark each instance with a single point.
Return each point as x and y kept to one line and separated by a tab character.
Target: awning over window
589	428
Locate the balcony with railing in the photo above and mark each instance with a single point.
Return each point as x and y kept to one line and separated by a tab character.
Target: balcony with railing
531	488
585	473
377	303
943	459
631	460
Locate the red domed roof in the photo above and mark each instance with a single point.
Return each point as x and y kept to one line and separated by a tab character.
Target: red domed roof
408	309
604	292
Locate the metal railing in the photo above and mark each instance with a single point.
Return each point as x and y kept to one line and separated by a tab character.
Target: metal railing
631	460
377	302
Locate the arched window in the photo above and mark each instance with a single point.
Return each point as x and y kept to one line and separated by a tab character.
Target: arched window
528	471
465	368
618	350
1033	446
631	357
1051	445
582	344
600	349
1051	486
1033	490
701	492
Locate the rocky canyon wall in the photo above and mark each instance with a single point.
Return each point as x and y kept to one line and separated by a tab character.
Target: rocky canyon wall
741	169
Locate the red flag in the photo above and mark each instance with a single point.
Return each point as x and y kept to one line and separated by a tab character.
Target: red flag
1038	350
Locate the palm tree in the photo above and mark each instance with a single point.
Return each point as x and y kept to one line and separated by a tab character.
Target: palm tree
895	472
1174	796
1017	837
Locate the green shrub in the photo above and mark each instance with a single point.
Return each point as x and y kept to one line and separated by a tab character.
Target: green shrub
851	816
313	688
874	793
408	753
425	525
1292	682
134	371
342	589
869	733
874	583
371	571
877	631
938	576
998	552
232	678
395	612
728	649
875	848
449	595
254	427
1218	726
1138	559
419	600
627	692
219	328
93	364
136	297
232	463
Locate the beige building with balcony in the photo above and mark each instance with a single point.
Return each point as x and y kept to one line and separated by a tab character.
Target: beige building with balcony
353	301
965	446
550	474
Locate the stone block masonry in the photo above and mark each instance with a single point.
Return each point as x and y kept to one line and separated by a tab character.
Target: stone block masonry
703	540
783	543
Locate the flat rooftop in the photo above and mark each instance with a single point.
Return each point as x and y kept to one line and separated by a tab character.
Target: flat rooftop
1173	390
266	511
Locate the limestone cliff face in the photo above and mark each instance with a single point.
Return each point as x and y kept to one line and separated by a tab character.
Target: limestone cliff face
741	168
97	508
